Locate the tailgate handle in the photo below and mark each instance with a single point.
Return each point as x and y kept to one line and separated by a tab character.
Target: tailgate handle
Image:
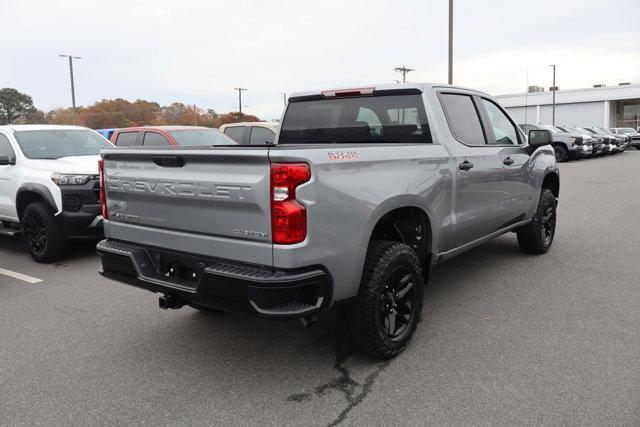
168	161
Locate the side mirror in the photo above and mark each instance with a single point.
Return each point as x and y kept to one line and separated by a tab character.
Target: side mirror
539	137
6	160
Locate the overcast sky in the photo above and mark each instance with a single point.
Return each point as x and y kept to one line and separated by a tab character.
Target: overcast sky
196	52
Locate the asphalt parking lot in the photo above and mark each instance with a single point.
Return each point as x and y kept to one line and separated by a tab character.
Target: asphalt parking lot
505	338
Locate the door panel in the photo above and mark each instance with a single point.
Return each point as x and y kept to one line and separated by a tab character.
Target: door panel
479	208
7	192
7	181
478	200
519	192
520	189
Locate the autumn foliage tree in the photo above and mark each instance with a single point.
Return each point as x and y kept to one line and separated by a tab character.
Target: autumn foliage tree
118	113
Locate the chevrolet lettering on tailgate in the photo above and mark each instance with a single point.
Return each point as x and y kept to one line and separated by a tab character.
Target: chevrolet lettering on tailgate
179	188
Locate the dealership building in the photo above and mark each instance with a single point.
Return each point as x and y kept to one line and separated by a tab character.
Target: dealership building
607	106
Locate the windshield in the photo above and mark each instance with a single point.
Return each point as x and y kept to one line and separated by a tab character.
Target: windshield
57	143
553	129
370	119
577	129
596	131
630	131
187	137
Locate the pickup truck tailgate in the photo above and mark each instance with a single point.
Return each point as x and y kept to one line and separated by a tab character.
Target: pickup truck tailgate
213	202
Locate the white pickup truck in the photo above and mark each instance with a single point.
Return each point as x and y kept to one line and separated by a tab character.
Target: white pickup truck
49	189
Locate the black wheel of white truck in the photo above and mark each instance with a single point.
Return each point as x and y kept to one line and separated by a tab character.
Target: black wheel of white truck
41	234
537	237
389	301
562	155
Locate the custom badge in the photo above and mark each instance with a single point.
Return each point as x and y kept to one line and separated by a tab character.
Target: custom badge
343	155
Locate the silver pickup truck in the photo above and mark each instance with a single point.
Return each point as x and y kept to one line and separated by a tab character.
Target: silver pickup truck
362	192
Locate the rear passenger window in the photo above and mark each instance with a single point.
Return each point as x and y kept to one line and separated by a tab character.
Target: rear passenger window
235	132
154	139
463	119
261	136
126	139
504	131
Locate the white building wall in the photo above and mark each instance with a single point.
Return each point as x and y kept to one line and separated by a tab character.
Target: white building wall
520	116
583	114
586	107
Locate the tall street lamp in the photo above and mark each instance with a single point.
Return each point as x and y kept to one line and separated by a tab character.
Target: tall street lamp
450	42
73	89
553	92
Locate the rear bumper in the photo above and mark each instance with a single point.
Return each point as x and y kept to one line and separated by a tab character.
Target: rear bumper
216	283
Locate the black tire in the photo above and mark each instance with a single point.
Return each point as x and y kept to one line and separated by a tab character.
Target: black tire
389	300
41	234
638	147
537	236
562	155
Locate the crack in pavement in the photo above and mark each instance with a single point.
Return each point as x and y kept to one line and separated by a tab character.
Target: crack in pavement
353	399
353	391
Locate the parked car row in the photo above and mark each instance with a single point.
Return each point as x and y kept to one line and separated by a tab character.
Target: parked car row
49	188
575	142
246	133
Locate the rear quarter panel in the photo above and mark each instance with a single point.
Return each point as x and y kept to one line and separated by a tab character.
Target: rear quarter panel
352	187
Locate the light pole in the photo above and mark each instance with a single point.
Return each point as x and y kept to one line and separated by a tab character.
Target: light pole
553	92
73	89
239	89
450	42
284	98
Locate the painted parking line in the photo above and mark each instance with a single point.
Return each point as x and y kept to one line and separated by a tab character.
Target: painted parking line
20	276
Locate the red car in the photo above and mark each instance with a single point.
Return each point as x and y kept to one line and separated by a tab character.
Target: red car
162	136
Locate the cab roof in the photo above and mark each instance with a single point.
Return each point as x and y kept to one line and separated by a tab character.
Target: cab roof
267	124
42	127
168	128
424	87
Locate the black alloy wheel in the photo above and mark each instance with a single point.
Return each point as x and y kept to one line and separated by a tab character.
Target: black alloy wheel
35	233
537	236
43	236
548	224
389	301
396	307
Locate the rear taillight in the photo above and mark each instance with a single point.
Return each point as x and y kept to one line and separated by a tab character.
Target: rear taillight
103	199
288	216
